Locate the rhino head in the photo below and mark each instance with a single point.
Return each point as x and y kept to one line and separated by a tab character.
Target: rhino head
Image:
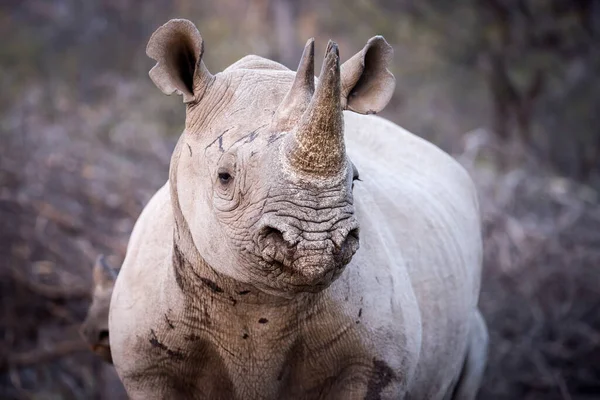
260	179
94	328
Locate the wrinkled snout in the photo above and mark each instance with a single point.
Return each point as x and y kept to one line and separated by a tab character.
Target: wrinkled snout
97	339
312	254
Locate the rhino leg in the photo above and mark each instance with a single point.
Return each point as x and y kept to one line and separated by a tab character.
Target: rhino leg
472	372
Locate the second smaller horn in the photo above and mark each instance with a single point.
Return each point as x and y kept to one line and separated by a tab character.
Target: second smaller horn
297	99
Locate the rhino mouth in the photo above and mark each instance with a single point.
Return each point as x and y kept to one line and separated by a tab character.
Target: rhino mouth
103	351
306	265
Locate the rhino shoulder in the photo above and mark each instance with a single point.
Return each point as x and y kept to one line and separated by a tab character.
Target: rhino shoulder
385	146
148	251
156	213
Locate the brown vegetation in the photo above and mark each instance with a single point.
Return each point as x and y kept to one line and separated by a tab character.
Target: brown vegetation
541	282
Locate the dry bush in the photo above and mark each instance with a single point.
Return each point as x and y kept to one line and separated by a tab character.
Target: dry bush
541	280
73	179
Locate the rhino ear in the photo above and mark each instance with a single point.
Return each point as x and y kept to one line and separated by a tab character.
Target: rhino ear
367	84
104	275
177	48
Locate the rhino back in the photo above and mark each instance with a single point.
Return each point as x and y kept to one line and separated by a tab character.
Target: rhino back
419	206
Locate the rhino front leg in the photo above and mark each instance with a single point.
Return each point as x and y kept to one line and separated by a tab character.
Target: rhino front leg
379	382
165	386
472	373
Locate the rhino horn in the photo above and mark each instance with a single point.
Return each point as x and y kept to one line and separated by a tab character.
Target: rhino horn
298	97
317	144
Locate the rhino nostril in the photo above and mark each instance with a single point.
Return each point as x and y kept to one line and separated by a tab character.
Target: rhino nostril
269	231
284	234
340	238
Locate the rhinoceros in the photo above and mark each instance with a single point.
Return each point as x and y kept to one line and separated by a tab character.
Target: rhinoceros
94	329
244	278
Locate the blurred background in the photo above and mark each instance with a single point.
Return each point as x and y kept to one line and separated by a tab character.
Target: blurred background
511	88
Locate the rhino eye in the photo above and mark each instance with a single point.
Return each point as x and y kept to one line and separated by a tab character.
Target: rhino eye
355	176
355	173
224	177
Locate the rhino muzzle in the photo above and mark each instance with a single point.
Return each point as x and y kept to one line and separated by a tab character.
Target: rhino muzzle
309	257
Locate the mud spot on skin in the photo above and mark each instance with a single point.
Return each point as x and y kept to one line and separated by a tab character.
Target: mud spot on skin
179	268
219	139
155	342
211	285
274	137
169	322
360	313
263	321
245	336
173	354
252	136
178	278
381	376
170	377
294	361
192	337
282	372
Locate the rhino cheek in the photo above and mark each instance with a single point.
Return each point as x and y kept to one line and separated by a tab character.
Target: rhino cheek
205	231
214	246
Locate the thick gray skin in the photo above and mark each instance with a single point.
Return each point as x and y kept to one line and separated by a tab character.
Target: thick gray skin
238	289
